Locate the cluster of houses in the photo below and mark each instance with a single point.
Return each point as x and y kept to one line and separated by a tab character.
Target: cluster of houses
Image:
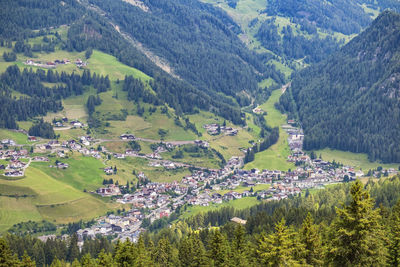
60	122
109	190
127	137
13	154
15	168
53	64
169	165
80	63
79	146
202	187
123	227
60	165
48	64
202	144
258	110
154	195
216	129
63	122
8	142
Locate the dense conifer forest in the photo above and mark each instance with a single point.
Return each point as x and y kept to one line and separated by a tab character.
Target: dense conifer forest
351	100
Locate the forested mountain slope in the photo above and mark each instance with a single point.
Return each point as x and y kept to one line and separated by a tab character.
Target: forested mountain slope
198	40
216	71
351	101
297	33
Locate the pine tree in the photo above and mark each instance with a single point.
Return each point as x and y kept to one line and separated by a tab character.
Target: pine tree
277	249
239	247
192	252
394	236
219	249
125	254
309	237
26	261
357	233
143	258
57	263
104	259
76	263
7	259
164	253
87	261
73	249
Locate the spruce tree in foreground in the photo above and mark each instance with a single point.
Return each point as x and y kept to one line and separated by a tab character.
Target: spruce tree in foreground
279	248
7	259
394	236
357	233
311	241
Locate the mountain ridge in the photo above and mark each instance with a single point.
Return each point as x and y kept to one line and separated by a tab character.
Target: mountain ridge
350	101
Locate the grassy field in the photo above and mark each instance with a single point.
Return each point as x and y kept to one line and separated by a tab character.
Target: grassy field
83	172
20	138
17	191
228	146
358	160
239	204
54	200
15	210
209	160
105	64
122	146
156	174
275	157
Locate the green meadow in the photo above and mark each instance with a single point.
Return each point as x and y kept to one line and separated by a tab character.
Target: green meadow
275	157
358	160
46	198
20	138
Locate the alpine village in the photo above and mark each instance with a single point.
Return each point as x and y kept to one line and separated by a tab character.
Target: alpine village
199	133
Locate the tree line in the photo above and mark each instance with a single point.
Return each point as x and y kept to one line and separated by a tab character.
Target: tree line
38	99
357	234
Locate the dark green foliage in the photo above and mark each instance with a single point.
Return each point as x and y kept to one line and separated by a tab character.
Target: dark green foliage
278	248
357	234
394	236
351	100
134	145
18	17
219	250
137	91
9	57
340	15
232	3
202	78
31	227
295	46
207	45
88	53
41	98
42	129
92	102
192	252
